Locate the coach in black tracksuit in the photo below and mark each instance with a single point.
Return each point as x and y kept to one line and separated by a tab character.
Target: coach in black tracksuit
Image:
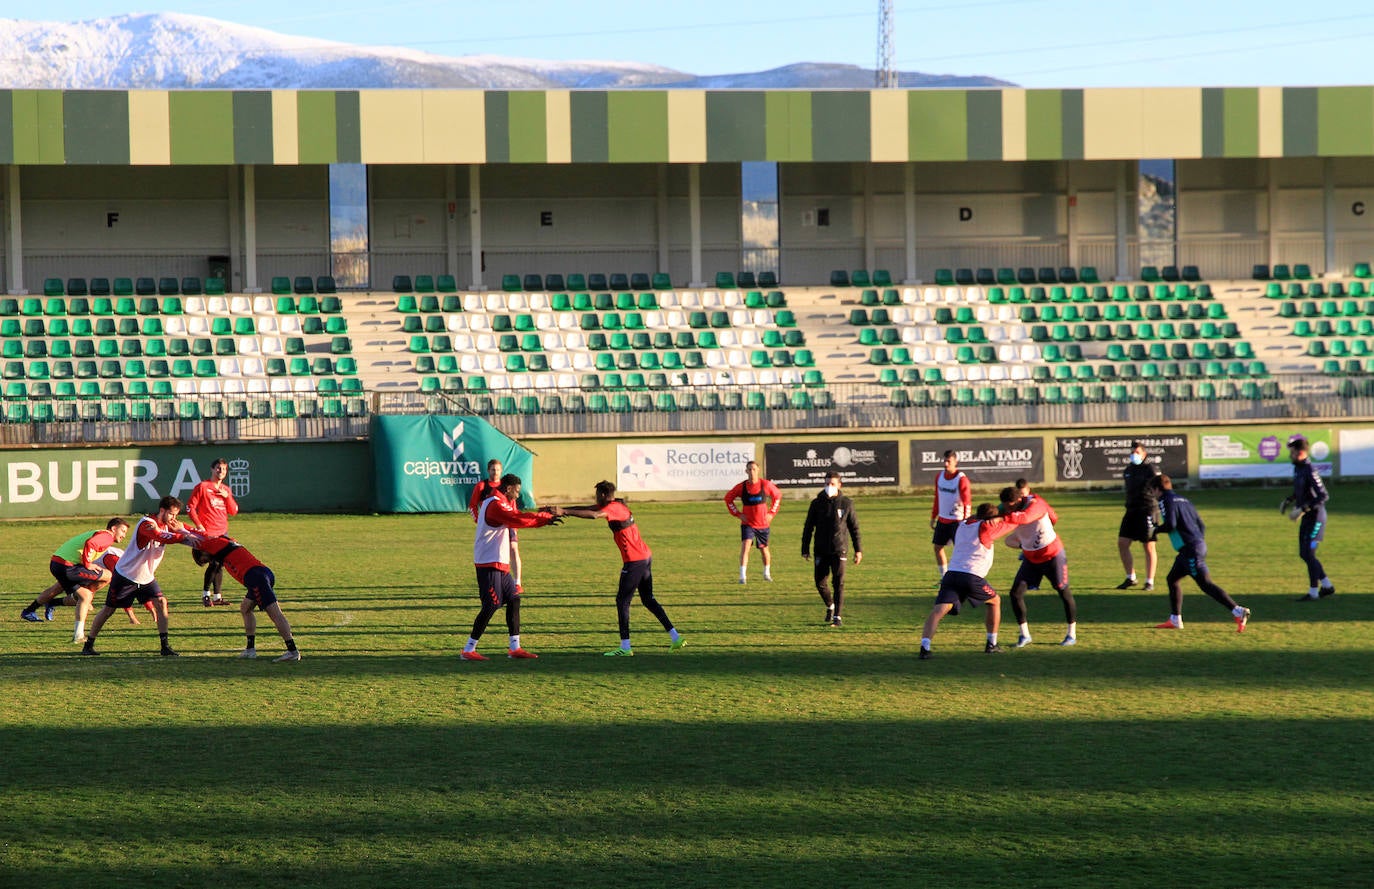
831	518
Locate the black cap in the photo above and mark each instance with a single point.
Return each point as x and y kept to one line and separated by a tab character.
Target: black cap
1297	443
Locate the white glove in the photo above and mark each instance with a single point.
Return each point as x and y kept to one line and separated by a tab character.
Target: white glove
1294	513
1286	505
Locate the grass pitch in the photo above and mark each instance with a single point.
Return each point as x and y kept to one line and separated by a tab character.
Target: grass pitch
769	752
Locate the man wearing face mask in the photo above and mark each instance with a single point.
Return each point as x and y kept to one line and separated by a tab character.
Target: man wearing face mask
831	518
1141	520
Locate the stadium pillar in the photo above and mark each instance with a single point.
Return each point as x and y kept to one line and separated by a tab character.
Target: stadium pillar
870	251
235	230
694	214
1273	211
661	217
451	219
1071	213
909	199
475	222
1329	215
1130	172
14	232
250	230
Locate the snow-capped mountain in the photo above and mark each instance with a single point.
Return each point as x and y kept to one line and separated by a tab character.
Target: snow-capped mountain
176	51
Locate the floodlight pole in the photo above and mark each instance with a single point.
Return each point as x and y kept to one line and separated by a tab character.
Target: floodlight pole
884	74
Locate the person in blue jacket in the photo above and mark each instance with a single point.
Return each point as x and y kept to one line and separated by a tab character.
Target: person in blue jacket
1179	519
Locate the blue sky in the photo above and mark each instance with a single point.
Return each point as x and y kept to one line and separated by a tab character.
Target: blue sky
1040	43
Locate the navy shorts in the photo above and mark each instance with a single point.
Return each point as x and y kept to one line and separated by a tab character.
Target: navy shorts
944	533
495	587
1190	562
259	583
758	535
124	592
72	576
957	587
1056	571
1138	526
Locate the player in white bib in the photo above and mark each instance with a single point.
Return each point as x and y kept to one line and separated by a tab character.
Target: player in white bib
1042	558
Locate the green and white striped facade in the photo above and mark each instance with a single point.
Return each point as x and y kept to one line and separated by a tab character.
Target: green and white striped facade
159	127
1047	176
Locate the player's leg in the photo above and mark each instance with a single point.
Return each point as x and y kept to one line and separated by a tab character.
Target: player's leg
837	572
761	541
745	541
45	597
992	620
96	625
152	592
83	598
820	566
630	575
1174	583
203	559
932	622
1151	563
646	595
217	582
1059	580
1311	529
250	627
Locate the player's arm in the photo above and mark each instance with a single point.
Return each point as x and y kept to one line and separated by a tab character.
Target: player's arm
776	496
501	514
730	497
808	528
149	533
231	506
966	494
193	504
584	512
852	524
1049	511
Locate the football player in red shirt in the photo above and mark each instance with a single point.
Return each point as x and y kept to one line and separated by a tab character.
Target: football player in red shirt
636	574
761	501
259	585
209	507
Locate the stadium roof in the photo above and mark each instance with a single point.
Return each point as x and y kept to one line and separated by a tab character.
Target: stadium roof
158	127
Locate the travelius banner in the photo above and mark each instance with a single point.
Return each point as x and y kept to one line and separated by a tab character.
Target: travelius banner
430	462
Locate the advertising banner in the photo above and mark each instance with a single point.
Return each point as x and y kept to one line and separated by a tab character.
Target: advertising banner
1101	458
330	477
1357	452
1259	453
983	460
805	465
429	462
686	466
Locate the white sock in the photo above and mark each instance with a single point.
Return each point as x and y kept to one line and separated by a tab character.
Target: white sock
1073	629
515	642
943	569
925	643
471	645
78	628
517	582
1237	611
674	634
205	594
741	573
1176	620
1312	593
625	644
767	573
1023	629
1326	583
992	638
1131	577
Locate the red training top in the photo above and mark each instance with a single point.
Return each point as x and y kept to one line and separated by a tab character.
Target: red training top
238	561
756	513
626	532
210	506
480	492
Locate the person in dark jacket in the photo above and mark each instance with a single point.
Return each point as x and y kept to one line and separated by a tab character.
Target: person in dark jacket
831	519
1307	506
1179	519
1138	523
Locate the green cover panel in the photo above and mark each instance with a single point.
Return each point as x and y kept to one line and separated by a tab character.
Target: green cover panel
429	463
1044	124
497	109
1242	122
529	127
6	127
316	132
202	126
938	125
1345	120
1299	121
1073	124
984	125
97	127
1214	123
348	120
637	127
845	131
590	136
123	481
735	126
787	135
253	128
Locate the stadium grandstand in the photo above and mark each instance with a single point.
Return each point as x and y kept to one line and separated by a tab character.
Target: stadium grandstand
210	265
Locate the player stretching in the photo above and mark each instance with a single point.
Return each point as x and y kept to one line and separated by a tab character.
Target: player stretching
636	574
134	572
1042	558
258	584
480	492
969	565
755	517
953	503
1308	504
497	519
80	568
1179	519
